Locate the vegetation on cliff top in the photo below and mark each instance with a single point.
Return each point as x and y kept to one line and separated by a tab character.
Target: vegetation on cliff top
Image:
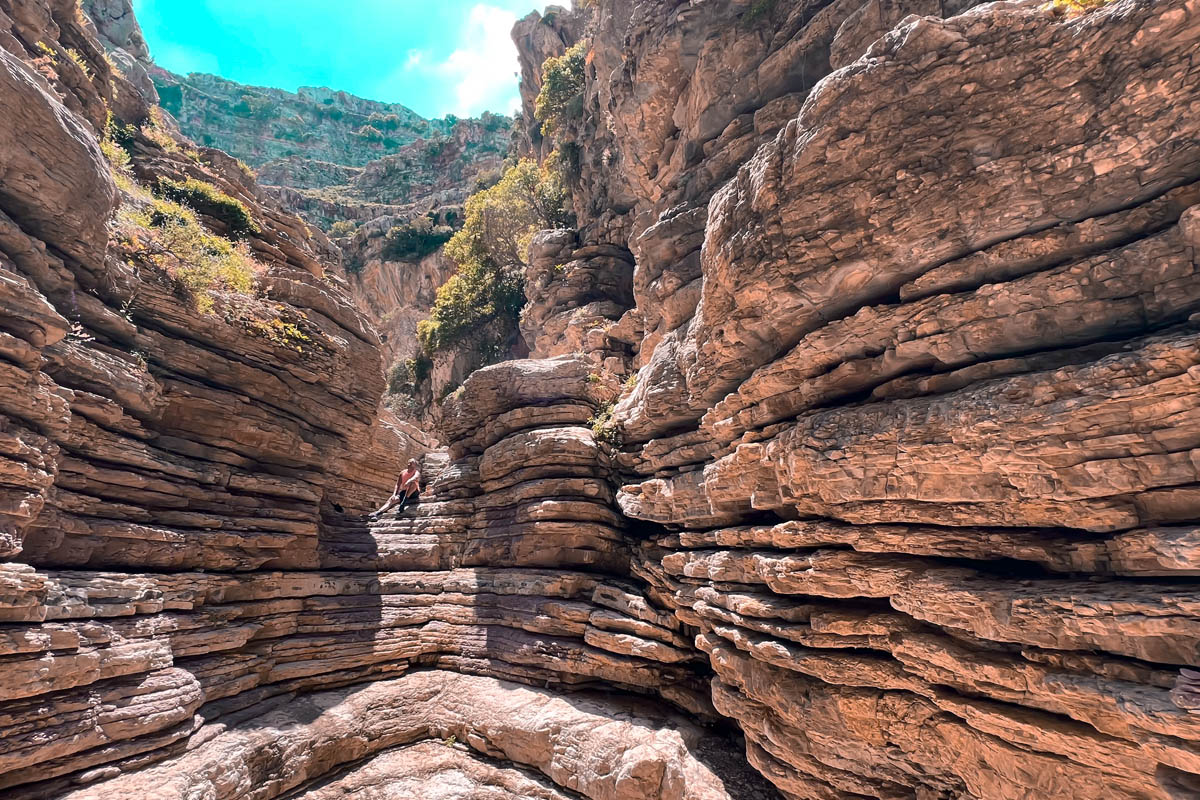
164	232
561	95
168	235
480	305
212	202
413	240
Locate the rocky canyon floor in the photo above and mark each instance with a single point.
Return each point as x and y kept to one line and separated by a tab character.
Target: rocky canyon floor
856	453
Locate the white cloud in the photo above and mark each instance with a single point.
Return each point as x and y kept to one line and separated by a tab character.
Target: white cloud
482	70
416	58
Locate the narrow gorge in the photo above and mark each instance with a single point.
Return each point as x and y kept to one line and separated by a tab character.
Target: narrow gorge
853	450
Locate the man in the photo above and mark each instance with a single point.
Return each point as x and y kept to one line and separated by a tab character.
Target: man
407	485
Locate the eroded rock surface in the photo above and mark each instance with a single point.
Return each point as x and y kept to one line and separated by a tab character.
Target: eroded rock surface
915	423
902	502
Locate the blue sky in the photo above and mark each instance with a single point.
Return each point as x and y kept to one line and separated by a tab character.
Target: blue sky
435	56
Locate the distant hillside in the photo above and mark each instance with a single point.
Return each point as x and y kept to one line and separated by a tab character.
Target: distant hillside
259	124
337	157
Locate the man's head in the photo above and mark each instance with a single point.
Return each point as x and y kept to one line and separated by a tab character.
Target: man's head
413	463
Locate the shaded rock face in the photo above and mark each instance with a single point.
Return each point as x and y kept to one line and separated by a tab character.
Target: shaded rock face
395	294
577	294
902	502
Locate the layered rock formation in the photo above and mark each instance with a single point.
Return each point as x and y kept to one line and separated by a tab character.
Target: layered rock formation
191	585
337	160
916	399
113	381
901	502
354	168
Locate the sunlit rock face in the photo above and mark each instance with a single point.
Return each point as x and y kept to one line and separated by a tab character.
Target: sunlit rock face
855	456
912	435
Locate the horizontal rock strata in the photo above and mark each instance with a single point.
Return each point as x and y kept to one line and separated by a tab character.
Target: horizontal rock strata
912	445
596	748
928	447
902	502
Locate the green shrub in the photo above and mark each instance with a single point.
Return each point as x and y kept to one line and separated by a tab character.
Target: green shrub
120	133
342	228
481	303
761	9
603	429
117	143
420	368
369	134
79	62
388	122
500	221
210	201
254	105
406	376
280	332
116	155
411	241
155	130
169	236
561	95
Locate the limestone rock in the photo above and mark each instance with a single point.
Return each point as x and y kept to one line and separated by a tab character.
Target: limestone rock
902	502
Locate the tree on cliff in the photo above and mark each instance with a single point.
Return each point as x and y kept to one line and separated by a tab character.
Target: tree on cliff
479	306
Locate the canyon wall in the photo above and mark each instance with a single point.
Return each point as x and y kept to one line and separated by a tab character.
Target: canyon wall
356	169
856	457
911	443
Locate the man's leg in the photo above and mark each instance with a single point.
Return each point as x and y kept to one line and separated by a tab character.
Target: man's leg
391	501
